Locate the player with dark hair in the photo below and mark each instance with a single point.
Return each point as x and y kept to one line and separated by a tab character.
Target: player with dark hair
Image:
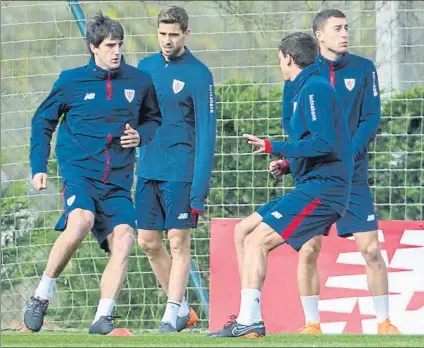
321	163
356	83
108	108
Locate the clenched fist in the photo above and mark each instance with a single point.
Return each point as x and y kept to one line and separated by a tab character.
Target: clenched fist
39	181
278	168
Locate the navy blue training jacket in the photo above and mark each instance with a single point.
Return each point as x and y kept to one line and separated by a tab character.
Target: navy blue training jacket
95	104
320	151
356	82
183	147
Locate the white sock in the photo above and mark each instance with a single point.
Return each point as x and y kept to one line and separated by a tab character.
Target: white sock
105	308
381	306
45	288
310	308
250	307
184	308
171	312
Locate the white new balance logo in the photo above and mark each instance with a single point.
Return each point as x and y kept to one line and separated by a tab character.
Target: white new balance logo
371	217
182	216
89	96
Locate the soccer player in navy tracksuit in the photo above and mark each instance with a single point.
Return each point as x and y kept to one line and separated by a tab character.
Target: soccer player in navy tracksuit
356	82
322	166
108	109
174	169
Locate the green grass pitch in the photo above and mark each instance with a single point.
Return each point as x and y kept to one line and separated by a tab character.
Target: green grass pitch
142	339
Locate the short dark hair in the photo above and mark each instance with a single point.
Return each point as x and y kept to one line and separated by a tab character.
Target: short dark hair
322	17
101	27
174	14
303	48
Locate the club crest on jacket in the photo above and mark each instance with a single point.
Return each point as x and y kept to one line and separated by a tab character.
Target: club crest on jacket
177	86
129	94
349	83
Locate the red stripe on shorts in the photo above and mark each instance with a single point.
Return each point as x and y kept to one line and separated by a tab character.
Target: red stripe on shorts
291	227
63	194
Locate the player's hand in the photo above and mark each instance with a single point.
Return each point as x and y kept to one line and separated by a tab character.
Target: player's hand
274	169
39	181
131	137
277	168
255	141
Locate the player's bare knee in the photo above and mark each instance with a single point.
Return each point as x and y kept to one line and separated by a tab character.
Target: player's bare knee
150	243
310	251
179	245
150	248
255	241
80	222
372	254
121	240
124	234
240	233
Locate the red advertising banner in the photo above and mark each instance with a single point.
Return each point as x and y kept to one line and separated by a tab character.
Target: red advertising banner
346	306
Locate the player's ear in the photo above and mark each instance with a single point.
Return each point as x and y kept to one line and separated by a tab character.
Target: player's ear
318	35
187	32
93	48
290	60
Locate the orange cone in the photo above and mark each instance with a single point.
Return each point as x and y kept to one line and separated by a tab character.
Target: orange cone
121	332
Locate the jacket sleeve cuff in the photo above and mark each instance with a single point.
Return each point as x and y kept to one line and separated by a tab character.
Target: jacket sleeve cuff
39	169
197	206
268	147
285	166
196	211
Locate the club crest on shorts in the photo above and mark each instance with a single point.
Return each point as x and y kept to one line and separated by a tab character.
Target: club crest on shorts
129	94
70	200
349	83
177	86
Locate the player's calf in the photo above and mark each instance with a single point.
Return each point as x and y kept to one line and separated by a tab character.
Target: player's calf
309	283
241	231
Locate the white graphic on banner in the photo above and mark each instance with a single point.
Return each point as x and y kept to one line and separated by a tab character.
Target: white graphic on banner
403	286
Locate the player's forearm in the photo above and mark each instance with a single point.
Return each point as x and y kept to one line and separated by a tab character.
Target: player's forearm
199	191
314	147
39	152
41	135
363	136
203	166
38	161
